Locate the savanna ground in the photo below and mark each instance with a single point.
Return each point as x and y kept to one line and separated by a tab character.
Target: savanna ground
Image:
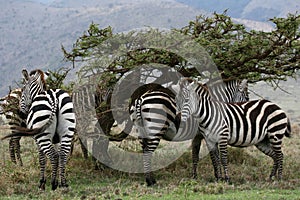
249	170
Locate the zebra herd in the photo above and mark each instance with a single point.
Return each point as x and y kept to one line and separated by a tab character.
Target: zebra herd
221	114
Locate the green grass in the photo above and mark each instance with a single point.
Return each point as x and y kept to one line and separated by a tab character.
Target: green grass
249	170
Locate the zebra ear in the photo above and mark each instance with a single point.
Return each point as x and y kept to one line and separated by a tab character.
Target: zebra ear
244	84
176	88
25	74
46	74
189	83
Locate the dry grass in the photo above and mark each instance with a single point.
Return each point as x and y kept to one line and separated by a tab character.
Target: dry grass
249	170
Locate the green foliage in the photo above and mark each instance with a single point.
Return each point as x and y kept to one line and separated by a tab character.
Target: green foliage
250	54
84	46
56	79
237	51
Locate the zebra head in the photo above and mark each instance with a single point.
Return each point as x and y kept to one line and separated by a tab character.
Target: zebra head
34	83
187	99
241	93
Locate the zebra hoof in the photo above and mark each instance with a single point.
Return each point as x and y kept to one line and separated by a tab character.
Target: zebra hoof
65	185
150	181
227	180
54	184
271	177
42	185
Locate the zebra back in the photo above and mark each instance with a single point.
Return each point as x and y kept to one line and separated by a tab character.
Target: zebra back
228	91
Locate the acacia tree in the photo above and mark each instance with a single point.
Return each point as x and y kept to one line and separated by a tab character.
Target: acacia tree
238	53
250	54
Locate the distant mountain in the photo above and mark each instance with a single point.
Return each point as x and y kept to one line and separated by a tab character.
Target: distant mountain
32	31
257	10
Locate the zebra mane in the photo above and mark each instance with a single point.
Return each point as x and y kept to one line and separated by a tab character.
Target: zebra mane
193	84
217	82
189	87
42	75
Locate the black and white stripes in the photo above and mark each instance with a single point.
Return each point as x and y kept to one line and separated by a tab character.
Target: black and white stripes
155	114
10	109
50	121
260	123
228	91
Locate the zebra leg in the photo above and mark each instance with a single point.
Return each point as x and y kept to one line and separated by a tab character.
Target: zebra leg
147	156
279	164
223	142
63	156
64	152
51	152
266	147
196	144
12	150
18	150
42	161
215	158
276	142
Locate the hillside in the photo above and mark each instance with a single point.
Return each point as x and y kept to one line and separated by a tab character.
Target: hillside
32	31
248	9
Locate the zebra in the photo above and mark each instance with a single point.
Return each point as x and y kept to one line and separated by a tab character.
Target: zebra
227	91
51	121
10	109
154	112
257	122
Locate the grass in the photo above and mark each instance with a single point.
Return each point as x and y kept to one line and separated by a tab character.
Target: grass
249	170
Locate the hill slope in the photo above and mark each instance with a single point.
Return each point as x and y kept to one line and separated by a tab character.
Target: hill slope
32	32
248	9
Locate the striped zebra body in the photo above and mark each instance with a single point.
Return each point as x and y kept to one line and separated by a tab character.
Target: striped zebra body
228	91
60	131
51	122
10	107
260	123
155	114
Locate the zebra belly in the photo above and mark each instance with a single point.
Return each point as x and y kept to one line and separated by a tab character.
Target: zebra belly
246	138
186	131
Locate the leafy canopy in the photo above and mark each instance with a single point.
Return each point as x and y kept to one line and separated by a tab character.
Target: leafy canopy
237	52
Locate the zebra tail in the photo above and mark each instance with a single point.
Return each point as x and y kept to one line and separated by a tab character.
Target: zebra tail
23	131
18	131
124	133
288	132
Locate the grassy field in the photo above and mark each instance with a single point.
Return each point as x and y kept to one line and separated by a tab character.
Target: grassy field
249	170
